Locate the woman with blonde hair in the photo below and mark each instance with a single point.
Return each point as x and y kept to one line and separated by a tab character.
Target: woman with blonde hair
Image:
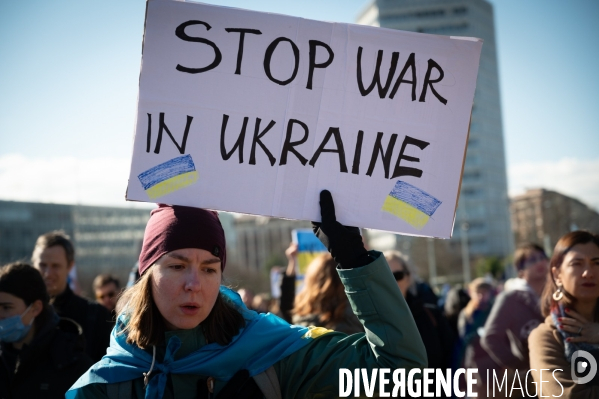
570	303
322	302
181	333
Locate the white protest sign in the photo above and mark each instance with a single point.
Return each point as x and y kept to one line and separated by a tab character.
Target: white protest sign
257	113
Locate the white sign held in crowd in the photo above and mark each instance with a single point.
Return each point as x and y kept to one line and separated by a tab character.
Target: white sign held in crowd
257	113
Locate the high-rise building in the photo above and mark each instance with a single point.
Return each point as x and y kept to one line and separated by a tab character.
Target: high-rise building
482	226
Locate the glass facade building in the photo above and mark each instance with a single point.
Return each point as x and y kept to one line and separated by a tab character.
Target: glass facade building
483	218
106	239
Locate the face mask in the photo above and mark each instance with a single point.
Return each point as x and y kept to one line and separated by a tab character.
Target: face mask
12	329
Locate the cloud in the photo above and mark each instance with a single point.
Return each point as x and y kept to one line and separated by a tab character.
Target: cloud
65	180
569	176
103	181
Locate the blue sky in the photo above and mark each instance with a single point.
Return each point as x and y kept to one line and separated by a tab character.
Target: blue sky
70	69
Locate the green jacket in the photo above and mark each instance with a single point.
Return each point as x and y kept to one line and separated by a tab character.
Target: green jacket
391	340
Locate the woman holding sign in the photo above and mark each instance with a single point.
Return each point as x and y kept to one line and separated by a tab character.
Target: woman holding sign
564	351
180	333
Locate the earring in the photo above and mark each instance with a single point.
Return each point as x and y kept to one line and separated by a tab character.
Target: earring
558	294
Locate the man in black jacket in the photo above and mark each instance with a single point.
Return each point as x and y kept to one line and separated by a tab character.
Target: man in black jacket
41	355
54	257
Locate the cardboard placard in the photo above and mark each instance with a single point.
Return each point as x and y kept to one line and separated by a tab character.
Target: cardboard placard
257	113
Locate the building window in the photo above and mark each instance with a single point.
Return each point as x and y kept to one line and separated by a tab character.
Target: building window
460	10
444	29
429	13
473	175
412	15
470	192
476	226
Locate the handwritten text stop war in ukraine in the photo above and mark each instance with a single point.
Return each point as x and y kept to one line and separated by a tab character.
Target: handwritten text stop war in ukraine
400	71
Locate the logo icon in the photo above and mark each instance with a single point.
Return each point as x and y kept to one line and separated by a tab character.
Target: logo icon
580	367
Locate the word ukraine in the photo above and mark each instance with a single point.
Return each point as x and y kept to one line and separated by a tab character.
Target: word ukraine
333	134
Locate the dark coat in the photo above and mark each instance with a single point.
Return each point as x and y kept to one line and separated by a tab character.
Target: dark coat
435	331
94	318
48	366
287	297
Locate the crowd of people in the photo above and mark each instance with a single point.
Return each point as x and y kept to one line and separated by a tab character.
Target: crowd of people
178	331
504	329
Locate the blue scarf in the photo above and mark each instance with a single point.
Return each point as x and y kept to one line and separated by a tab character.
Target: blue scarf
263	341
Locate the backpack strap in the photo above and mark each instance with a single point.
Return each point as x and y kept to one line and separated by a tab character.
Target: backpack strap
120	390
268	383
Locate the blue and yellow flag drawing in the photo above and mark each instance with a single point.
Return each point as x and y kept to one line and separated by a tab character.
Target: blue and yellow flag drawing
169	176
411	204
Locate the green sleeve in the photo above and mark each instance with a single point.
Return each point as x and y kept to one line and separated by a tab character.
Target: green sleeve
391	339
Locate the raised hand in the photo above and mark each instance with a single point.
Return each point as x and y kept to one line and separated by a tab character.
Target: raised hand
576	324
344	243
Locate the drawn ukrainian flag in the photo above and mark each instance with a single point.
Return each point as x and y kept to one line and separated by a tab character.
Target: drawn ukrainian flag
169	176
411	204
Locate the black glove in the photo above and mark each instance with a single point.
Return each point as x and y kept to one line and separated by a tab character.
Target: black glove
241	386
344	243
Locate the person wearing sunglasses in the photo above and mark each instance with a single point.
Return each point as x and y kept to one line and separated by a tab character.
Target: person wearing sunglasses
434	329
107	289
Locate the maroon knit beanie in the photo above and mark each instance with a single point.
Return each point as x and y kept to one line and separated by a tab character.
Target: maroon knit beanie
173	227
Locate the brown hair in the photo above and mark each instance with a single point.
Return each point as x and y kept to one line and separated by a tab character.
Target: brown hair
104	279
323	293
51	239
524	252
146	325
394	255
563	246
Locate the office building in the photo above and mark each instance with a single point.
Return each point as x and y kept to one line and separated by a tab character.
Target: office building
106	239
482	226
543	216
